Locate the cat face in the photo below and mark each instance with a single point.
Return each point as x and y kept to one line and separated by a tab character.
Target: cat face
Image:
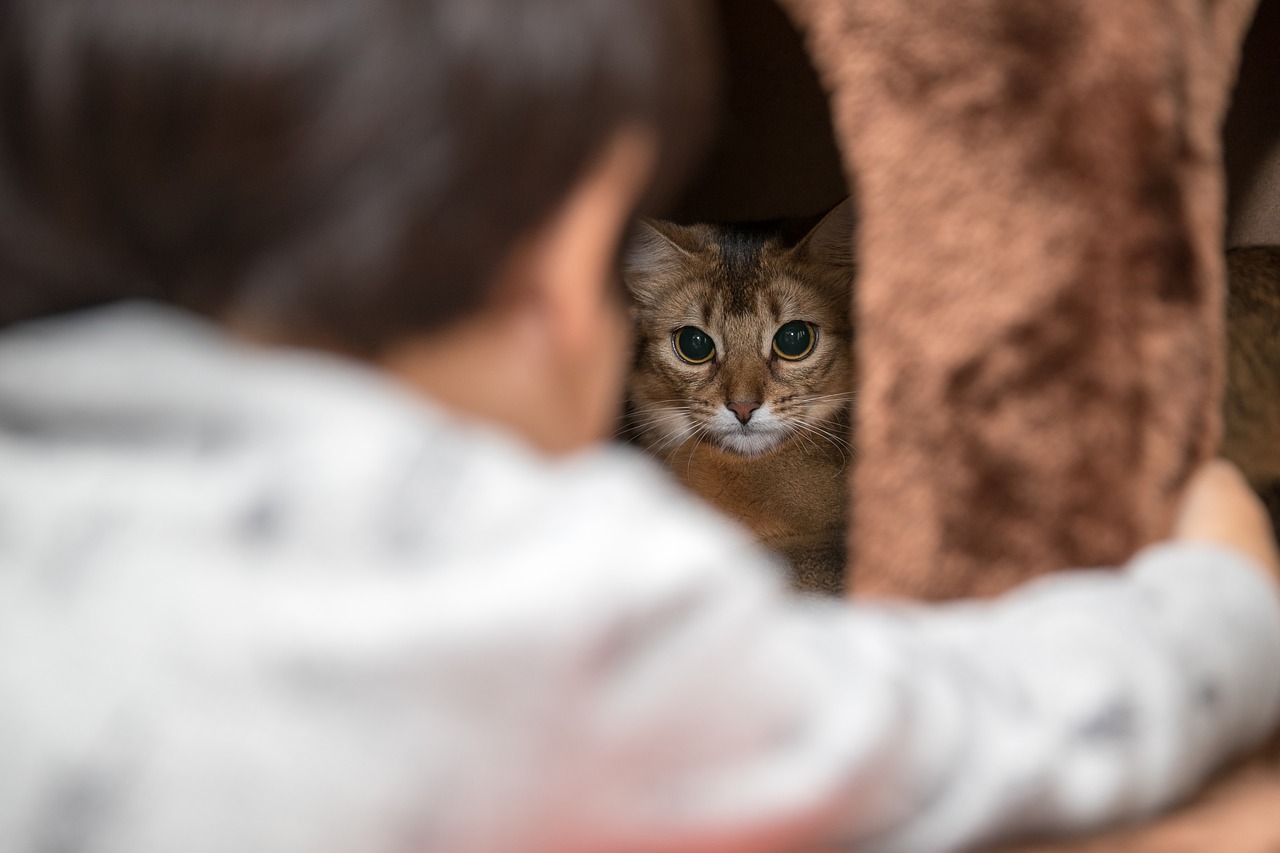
742	342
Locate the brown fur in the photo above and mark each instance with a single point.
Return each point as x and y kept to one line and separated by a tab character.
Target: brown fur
789	485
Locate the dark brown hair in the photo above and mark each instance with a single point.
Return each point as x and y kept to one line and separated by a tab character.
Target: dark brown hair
346	171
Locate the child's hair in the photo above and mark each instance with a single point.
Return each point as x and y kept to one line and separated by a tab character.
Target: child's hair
339	171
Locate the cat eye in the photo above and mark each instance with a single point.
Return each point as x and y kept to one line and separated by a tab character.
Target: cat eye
693	345
794	340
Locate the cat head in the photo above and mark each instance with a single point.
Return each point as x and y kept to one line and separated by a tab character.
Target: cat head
742	341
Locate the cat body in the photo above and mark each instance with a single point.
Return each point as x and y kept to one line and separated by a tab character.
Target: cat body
794	500
743	376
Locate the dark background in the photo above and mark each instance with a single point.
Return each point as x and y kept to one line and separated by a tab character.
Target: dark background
775	156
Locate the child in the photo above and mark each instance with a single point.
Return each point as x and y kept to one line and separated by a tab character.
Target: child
316	550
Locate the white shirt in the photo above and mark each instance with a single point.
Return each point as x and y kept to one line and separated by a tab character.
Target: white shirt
264	601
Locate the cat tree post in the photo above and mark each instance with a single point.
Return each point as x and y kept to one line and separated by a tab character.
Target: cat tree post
1040	274
1039	296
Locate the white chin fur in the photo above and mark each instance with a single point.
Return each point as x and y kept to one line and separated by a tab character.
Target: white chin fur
762	433
749	444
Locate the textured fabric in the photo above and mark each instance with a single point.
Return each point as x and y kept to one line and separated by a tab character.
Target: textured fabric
1039	295
263	601
1040	275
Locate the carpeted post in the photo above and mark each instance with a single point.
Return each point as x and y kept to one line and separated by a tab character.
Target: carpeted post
1039	300
1040	283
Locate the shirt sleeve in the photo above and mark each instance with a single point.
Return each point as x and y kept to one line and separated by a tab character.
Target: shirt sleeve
737	716
570	686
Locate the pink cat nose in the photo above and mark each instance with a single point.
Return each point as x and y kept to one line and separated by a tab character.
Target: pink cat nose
743	410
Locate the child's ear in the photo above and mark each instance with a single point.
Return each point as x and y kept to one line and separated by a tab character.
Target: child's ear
651	255
831	240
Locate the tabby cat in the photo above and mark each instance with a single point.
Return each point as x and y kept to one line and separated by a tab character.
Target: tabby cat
743	375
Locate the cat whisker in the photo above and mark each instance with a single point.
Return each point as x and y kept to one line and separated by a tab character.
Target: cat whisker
684	437
843	393
641	426
658	447
665	411
697	436
827	432
657	419
845	396
849	393
802	434
634	430
846	452
837	441
666	447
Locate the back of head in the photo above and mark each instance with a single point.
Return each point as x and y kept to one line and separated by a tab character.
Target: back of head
344	172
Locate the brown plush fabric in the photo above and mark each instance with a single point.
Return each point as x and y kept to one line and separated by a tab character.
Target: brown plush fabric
1039	298
1041	273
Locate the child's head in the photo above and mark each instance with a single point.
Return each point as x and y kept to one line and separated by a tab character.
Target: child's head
349	173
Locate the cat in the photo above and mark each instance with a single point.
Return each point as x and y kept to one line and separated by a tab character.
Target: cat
764	434
1251	411
743	376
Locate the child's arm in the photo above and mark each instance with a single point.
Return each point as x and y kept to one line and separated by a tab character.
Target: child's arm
564	685
1084	698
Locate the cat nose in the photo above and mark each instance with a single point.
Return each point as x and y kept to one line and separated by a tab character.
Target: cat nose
743	410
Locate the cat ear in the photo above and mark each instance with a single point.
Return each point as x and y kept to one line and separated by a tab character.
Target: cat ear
831	240
651	253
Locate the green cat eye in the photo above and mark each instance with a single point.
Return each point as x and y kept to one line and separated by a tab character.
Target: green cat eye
693	345
795	340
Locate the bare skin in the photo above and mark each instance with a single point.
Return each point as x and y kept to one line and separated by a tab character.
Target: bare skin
1220	507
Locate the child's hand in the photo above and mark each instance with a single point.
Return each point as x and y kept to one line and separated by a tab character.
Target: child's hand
1220	507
